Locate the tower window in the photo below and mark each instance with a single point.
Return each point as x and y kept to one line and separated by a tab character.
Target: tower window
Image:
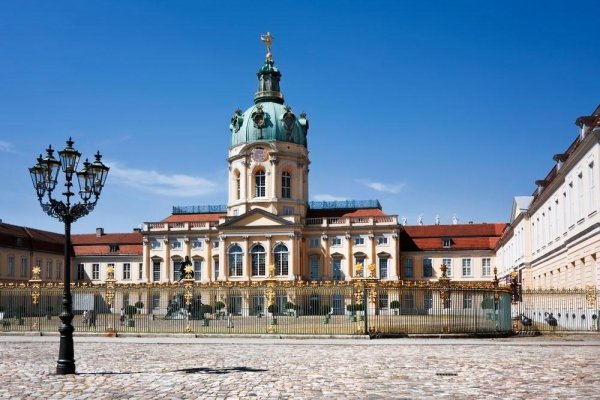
238	186
286	185
259	184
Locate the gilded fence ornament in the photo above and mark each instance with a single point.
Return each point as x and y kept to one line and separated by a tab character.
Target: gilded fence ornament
188	284
110	285
372	271
590	296
35	282
358	270
271	271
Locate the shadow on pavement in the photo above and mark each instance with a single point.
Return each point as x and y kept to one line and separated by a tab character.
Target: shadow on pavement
201	370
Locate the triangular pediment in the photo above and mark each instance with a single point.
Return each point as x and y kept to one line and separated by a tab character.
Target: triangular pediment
520	205
256	218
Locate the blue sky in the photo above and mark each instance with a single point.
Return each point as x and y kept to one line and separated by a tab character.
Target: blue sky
432	107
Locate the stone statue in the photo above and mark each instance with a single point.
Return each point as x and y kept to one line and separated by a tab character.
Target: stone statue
437	219
420	220
454	220
404	221
267	39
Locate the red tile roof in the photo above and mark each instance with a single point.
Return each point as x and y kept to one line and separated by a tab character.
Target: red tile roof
92	244
30	238
463	237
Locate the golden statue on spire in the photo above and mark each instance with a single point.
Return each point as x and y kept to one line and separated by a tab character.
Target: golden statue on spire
267	39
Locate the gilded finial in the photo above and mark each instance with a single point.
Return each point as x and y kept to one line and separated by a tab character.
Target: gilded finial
267	39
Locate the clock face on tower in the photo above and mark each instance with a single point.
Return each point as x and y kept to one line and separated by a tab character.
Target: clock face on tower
259	154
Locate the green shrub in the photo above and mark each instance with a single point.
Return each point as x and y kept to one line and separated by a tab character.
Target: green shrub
130	310
289	305
488	303
272	308
218	305
139	304
395	304
325	309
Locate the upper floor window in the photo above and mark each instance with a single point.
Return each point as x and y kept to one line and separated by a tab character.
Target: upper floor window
80	272
286	185
197	269
382	240
154	244
95	271
198	244
313	242
427	267
24	266
336	267
409	268
359	241
260	183
288	210
446	243
236	256
336	241
126	271
11	266
466	267
176	245
238	184
281	260
258	260
113	247
486	266
383	267
448	263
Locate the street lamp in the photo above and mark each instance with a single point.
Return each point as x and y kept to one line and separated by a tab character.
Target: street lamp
91	180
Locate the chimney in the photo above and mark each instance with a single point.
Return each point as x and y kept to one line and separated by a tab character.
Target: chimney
99	232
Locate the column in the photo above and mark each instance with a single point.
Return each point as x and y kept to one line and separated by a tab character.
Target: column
167	272
247	263
208	261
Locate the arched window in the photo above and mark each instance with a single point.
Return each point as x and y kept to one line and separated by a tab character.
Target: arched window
259	183
286	185
238	184
281	260
236	256
258	260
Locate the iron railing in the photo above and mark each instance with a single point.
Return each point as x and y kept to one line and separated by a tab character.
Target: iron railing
268	307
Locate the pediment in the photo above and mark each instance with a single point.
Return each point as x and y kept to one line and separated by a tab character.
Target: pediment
256	218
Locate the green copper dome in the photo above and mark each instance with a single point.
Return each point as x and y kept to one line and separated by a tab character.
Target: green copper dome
268	119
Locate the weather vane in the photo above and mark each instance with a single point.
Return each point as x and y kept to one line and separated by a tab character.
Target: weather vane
267	39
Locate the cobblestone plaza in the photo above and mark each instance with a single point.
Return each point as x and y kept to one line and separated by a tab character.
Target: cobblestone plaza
544	367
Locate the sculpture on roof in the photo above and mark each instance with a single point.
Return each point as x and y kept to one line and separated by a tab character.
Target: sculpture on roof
267	39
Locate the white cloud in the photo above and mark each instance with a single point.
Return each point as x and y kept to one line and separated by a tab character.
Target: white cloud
6	147
382	187
328	197
177	185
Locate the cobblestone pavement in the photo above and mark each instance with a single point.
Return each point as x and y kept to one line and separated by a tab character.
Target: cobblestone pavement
559	367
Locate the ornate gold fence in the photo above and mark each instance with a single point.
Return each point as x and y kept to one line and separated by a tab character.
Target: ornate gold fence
361	306
558	310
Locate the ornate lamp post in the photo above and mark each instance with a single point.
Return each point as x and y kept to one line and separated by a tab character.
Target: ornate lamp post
91	180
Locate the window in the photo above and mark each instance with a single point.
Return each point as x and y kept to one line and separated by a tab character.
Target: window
125	299
336	242
217	267
428	300
315	266
359	241
409	301
197	269
360	259
486	266
216	244
156	271
11	266
427	267
258	260
313	243
259	184
80	272
592	188
580	193
176	245
95	271
382	240
468	300
288	210
238	185
337	269
140	270
198	244
446	243
24	266
383	267
235	212
113	248
154	244
59	268
448	263
286	185
156	301
384	300
281	260
177	270
235	261
408	268
49	269
126	271
466	267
